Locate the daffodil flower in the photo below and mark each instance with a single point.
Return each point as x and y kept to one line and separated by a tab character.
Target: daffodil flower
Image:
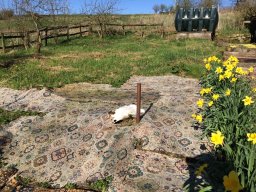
200	103
218	70
247	101
217	138
251	69
210	103
208	66
251	137
215	97
231	182
228	92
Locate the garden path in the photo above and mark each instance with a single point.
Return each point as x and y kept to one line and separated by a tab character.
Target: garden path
76	142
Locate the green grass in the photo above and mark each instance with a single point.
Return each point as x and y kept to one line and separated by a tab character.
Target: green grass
112	60
8	116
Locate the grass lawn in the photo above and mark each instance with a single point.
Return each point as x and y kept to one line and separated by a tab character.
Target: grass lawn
112	60
8	116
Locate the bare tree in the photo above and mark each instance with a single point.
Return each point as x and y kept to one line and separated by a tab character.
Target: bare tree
247	9
209	3
162	8
186	4
33	10
156	8
100	12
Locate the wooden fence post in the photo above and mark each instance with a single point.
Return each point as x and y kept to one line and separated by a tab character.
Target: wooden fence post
46	36
123	30
24	40
39	42
80	30
162	34
142	34
3	42
67	32
90	29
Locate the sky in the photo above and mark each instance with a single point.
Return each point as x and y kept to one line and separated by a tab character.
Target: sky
125	6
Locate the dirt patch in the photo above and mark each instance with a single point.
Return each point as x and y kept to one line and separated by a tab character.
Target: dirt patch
77	55
84	92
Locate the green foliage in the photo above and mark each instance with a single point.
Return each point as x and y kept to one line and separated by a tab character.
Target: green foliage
232	118
112	60
70	186
102	184
44	184
8	116
24	181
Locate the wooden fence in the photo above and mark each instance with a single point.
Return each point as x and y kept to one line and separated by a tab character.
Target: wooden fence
29	37
25	39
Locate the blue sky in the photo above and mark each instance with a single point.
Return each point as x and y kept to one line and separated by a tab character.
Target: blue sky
125	6
135	6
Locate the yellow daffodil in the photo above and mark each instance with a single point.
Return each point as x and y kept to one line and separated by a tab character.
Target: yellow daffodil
248	100
240	71
221	77
208	66
233	59
251	69
193	115
205	90
218	70
208	90
212	58
251	137
227	74
228	92
233	80
225	63
245	73
200	103
231	182
202	92
215	97
229	67
201	169
199	118
205	60
217	138
210	103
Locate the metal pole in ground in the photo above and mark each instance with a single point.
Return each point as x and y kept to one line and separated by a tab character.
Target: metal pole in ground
138	101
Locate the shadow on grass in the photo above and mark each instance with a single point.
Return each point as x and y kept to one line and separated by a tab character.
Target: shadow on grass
18	56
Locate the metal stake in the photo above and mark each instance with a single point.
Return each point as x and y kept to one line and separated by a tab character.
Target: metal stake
138	99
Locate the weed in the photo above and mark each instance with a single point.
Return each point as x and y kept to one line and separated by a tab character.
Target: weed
70	186
44	184
102	184
24	181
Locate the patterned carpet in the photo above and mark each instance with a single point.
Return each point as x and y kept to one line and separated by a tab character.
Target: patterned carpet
76	141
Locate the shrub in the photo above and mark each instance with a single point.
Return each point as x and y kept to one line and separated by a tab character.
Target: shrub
6	13
227	116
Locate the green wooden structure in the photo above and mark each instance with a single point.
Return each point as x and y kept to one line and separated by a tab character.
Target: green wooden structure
196	19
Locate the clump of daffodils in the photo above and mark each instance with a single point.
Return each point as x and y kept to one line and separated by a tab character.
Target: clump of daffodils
226	112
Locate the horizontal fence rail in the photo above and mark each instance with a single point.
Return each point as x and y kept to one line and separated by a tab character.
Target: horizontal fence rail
26	38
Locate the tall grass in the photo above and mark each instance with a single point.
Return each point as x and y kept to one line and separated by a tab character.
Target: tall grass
231	23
